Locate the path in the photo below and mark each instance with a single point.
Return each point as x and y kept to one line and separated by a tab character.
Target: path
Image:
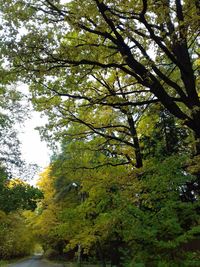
35	261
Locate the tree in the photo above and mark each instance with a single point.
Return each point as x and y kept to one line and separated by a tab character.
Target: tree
14	110
80	37
162	135
81	192
16	237
17	195
116	214
46	220
10	106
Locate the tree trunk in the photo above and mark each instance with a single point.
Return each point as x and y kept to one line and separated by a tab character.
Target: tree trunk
195	126
101	255
115	256
138	154
131	122
197	144
79	255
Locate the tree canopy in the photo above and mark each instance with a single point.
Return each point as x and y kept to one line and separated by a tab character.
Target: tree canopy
151	44
118	81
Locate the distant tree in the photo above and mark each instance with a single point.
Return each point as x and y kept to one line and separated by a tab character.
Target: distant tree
17	195
16	237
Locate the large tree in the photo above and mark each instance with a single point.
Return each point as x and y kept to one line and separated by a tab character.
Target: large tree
153	43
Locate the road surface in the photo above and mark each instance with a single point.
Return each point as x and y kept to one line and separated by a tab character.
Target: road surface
35	261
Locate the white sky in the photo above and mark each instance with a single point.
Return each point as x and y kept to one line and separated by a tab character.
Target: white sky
33	149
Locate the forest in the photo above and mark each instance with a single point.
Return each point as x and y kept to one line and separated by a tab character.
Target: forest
118	81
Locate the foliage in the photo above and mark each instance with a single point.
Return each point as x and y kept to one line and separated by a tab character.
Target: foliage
118	214
118	82
45	220
142	52
16	239
164	222
3	263
9	144
16	195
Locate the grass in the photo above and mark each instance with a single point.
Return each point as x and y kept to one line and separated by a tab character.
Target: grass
3	263
82	265
74	264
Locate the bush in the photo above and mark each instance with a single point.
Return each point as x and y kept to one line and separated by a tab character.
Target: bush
51	253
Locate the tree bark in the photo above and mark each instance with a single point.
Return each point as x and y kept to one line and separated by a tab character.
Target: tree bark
101	255
138	154
196	119
79	255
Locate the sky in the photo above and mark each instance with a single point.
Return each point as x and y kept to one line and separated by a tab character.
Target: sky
34	150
